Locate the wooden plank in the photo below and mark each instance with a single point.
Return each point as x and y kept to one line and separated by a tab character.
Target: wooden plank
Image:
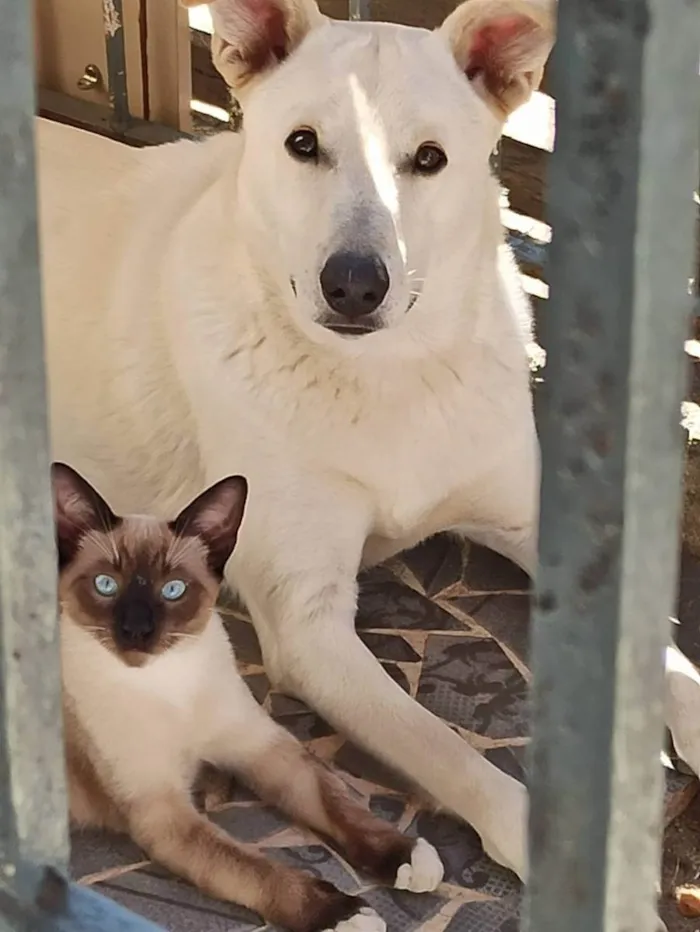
168	66
523	174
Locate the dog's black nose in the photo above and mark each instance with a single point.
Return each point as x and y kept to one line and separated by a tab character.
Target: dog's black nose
354	285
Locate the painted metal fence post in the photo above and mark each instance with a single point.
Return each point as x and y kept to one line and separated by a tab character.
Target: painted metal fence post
359	9
32	805
33	817
622	176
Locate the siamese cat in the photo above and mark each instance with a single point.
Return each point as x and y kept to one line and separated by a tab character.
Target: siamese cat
153	698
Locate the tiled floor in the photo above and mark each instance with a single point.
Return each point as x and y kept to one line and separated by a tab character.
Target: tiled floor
451	627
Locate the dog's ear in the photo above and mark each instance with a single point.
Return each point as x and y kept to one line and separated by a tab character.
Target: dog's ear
252	36
502	47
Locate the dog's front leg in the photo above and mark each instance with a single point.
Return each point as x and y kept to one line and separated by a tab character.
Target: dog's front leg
296	568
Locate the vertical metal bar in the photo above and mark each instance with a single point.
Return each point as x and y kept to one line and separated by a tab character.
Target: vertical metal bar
359	9
113	15
622	176
32	790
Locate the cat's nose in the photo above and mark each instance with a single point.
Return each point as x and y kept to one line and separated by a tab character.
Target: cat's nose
135	624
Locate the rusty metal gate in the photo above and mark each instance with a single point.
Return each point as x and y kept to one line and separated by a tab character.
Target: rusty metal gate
625	81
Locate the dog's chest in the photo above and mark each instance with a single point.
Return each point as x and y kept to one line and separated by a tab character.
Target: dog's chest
430	467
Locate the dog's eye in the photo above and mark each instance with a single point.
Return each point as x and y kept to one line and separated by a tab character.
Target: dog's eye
303	145
429	159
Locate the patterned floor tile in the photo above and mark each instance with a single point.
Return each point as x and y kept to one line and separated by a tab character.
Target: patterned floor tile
463	856
360	764
319	861
494	916
470	682
486	571
403	912
389	647
449	624
251	823
175	905
386	605
93	852
437	563
506	617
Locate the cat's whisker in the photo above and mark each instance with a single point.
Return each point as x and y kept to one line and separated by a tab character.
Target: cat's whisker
180	548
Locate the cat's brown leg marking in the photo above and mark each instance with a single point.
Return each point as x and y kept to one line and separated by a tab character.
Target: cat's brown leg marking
290	778
172	832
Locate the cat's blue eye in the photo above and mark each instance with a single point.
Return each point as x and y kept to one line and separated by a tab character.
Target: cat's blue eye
173	590
106	585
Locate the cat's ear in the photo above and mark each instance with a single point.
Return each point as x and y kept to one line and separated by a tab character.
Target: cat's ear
78	509
251	37
502	47
215	517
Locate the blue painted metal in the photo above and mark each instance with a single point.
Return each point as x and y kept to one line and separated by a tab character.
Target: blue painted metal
113	16
49	903
622	178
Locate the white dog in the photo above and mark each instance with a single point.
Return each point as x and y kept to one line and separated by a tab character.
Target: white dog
325	305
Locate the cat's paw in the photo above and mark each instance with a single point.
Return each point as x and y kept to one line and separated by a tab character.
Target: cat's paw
424	873
364	921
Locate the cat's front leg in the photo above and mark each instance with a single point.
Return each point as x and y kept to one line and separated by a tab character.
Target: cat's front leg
285	774
171	831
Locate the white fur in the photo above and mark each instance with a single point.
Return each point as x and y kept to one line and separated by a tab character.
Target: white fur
178	353
424	873
365	921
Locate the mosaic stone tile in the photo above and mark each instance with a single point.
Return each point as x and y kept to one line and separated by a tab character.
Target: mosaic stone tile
319	861
306	726
470	682
175	917
93	851
507	618
489	916
251	823
463	856
393	605
360	764
509	760
437	563
403	912
286	705
389	808
487	571
176	904
389	647
398	675
244	639
259	685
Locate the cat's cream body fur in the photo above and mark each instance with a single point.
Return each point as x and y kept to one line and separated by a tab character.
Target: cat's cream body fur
154	702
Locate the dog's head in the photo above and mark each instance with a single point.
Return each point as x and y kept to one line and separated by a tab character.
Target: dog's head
364	180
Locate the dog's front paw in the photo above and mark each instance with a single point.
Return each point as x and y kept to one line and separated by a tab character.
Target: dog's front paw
424	872
366	920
